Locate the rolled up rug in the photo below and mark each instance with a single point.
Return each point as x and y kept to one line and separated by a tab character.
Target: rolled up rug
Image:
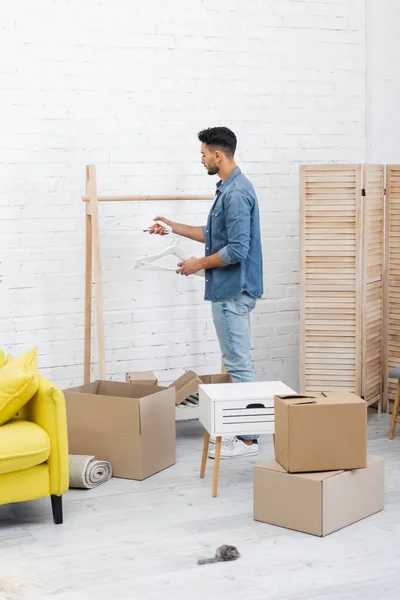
85	472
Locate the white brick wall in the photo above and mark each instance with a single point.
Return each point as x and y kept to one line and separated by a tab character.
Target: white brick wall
383	115
126	85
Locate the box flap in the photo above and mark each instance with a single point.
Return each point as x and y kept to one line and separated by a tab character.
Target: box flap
184	380
185	385
294	399
326	394
340	398
88	388
114	388
141	390
126	390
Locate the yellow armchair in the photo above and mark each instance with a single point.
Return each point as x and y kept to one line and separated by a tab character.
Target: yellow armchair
34	451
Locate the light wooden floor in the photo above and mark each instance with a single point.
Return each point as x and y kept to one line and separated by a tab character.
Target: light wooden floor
141	540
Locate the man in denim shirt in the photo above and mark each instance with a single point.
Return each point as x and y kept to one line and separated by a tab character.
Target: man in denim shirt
232	264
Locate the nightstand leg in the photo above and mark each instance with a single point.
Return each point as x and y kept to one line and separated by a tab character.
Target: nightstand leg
205	455
216	466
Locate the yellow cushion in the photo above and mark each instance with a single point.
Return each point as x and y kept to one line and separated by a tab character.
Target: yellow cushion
19	381
8	359
2	359
22	445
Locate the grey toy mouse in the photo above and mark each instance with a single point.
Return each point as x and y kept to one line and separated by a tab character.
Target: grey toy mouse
222	554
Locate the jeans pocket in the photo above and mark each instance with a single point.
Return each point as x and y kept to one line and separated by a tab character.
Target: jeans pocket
244	304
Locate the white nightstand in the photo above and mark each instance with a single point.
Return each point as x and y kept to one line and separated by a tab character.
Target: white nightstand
236	409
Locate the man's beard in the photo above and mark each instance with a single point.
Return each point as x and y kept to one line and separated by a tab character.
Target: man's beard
212	171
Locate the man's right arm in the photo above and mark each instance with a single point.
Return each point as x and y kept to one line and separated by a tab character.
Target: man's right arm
188	231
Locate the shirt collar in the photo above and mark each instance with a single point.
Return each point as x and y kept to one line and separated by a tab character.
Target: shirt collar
221	185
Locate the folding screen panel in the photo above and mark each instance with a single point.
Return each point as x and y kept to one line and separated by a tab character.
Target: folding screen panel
330	278
372	290
392	280
341	279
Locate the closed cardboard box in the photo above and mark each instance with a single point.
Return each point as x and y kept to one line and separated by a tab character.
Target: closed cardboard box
141	378
317	503
131	426
325	432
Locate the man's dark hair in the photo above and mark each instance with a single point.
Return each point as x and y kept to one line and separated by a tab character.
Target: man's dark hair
220	138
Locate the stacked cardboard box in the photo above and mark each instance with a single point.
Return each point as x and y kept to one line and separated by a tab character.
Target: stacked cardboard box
322	478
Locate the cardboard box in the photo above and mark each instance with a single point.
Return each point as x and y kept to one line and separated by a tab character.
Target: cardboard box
188	411
185	386
317	503
326	432
217	378
141	378
131	426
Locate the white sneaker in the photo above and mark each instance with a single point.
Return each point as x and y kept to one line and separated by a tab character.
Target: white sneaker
225	440
236	448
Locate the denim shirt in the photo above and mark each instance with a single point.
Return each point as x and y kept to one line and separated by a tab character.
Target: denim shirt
233	230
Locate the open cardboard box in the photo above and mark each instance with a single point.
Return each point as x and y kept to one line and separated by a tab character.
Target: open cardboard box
131	426
189	383
184	386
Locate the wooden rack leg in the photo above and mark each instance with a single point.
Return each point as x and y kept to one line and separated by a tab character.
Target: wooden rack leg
94	210
205	455
216	466
88	297
395	412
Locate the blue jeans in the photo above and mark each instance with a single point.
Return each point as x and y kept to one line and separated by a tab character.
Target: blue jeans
232	324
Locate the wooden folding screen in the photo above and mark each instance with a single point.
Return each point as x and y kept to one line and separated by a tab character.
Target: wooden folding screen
341	279
392	281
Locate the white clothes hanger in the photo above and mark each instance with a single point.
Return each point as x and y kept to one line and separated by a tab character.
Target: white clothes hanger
146	262
127	227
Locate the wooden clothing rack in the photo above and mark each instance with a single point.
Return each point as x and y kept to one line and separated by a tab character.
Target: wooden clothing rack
91	199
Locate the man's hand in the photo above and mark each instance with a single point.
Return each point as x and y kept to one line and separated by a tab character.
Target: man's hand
189	267
188	231
160	229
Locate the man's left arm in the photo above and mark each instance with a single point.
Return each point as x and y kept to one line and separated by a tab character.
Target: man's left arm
238	215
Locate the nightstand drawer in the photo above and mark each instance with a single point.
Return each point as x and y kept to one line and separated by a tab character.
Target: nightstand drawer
245	416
